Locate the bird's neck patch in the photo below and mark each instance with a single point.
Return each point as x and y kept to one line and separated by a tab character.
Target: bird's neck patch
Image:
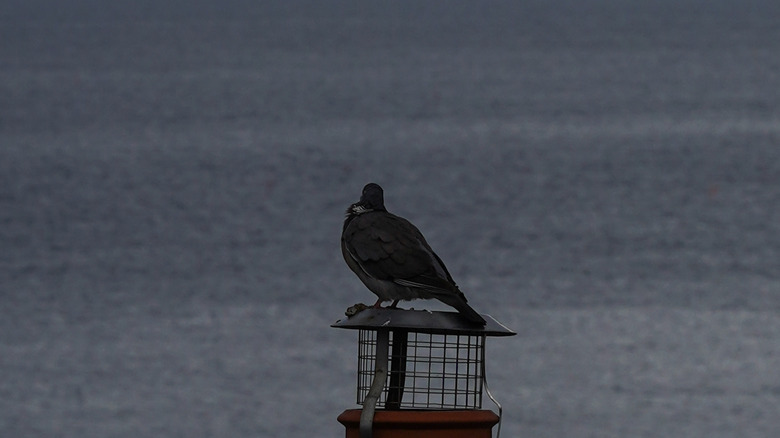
358	209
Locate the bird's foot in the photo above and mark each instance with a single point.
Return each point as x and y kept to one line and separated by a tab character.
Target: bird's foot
378	304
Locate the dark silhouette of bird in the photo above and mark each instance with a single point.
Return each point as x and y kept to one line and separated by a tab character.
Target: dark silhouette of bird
392	258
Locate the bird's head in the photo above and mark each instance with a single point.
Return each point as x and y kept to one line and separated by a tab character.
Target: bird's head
372	199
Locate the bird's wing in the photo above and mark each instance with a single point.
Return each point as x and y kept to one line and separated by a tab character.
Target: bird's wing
388	247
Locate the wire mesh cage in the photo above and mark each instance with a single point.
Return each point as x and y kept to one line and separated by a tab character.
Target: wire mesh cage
420	359
428	370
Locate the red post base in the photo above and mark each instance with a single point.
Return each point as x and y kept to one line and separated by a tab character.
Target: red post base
423	424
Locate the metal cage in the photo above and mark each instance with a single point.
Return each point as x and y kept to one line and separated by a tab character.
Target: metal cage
436	360
428	371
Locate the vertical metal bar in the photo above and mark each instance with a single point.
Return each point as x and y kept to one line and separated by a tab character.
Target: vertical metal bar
431	351
457	369
487	390
474	371
469	372
395	393
443	365
380	377
362	340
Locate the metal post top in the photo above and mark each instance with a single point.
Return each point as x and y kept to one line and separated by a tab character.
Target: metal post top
421	321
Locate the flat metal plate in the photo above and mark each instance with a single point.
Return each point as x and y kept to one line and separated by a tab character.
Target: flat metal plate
421	321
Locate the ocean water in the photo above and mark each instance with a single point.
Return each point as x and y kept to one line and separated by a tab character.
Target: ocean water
603	177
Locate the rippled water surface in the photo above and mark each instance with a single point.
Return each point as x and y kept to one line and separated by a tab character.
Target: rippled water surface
602	177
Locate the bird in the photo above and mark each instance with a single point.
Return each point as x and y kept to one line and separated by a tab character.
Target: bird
393	259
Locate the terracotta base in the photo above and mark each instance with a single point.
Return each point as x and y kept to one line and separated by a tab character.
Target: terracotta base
423	424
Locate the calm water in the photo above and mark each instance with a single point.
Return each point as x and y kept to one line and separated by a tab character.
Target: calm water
603	177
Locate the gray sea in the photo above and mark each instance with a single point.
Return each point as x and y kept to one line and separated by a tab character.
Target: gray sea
601	176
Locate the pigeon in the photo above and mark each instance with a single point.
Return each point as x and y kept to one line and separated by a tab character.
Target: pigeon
392	258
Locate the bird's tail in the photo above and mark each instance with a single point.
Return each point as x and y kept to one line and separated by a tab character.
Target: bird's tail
451	296
460	304
470	314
